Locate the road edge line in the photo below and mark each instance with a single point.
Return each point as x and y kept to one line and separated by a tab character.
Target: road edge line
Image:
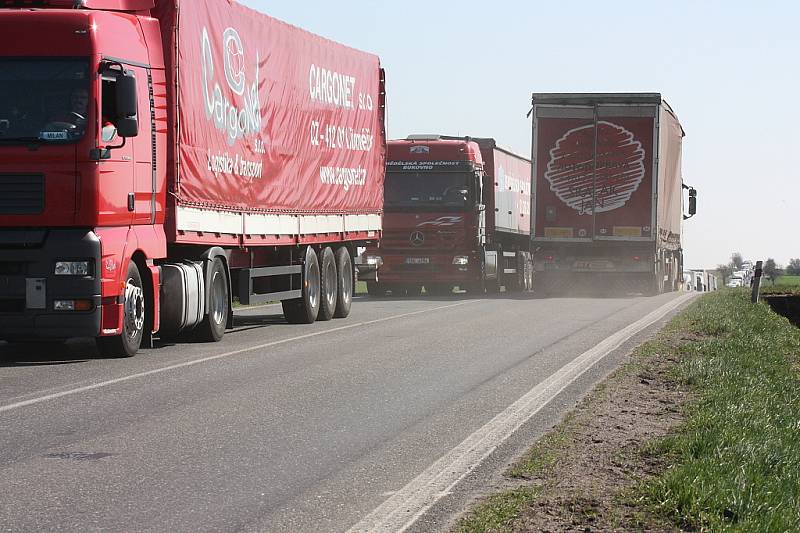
401	510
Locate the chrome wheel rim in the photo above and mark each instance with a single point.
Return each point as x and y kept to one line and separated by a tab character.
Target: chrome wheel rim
313	283
330	285
219	302
134	309
346	283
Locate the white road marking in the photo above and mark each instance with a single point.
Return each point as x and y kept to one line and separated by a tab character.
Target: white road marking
101	384
402	509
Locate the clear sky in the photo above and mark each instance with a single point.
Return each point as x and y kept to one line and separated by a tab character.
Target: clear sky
731	71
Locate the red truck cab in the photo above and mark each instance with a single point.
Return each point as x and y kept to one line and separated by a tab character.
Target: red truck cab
73	191
456	214
150	173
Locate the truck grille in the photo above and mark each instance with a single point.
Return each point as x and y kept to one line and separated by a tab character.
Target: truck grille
12	268
21	194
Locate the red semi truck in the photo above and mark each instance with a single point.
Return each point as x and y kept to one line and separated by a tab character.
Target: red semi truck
457	213
608	193
158	158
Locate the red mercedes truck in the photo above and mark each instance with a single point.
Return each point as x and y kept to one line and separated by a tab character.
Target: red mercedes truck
608	193
159	158
457	214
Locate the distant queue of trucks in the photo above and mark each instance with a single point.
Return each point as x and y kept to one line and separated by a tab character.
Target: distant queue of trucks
155	168
599	204
700	281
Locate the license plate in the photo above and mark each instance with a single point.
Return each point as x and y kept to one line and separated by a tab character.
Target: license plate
35	293
594	265
418	260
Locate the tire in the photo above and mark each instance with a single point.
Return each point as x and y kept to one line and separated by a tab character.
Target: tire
375	290
329	284
527	272
304	310
344	289
516	283
133	319
212	328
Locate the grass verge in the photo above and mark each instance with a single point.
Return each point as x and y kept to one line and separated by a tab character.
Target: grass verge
788	281
737	458
783	285
699	431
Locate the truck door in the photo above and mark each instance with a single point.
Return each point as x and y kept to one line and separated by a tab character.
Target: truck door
564	137
144	151
623	176
594	172
116	172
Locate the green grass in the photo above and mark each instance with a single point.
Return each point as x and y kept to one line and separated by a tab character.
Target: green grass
498	512
788	281
737	458
544	455
783	285
361	287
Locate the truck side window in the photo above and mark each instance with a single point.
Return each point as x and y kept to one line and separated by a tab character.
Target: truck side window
109	106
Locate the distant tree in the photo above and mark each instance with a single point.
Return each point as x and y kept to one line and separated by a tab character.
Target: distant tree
771	270
737	260
725	271
793	268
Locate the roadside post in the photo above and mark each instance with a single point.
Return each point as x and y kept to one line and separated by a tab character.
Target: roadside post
756	283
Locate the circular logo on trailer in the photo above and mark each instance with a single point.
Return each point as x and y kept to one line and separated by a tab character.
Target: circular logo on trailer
417	238
590	184
234	60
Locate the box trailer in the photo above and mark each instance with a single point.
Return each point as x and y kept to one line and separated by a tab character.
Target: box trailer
457	214
608	193
168	156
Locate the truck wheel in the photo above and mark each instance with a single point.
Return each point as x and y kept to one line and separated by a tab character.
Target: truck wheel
528	272
344	292
212	328
375	290
329	286
304	310
133	319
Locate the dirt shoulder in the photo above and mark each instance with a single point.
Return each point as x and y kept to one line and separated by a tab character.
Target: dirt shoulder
697	431
578	477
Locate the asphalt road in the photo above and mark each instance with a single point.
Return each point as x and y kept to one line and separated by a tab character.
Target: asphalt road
279	427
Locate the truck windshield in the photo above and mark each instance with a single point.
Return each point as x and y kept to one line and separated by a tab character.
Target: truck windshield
427	189
43	100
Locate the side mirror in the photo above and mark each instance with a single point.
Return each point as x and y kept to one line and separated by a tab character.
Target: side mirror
692	202
126	105
127	127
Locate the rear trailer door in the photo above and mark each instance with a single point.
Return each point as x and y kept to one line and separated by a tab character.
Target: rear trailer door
594	172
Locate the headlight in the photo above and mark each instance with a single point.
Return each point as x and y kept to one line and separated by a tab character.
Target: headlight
460	260
72	268
374	260
72	305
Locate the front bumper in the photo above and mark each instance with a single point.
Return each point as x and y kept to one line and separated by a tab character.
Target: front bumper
28	286
438	269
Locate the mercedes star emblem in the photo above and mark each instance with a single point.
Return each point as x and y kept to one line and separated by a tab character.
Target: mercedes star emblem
417	238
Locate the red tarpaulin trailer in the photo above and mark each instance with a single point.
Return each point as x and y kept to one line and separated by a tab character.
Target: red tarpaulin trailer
186	153
608	192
